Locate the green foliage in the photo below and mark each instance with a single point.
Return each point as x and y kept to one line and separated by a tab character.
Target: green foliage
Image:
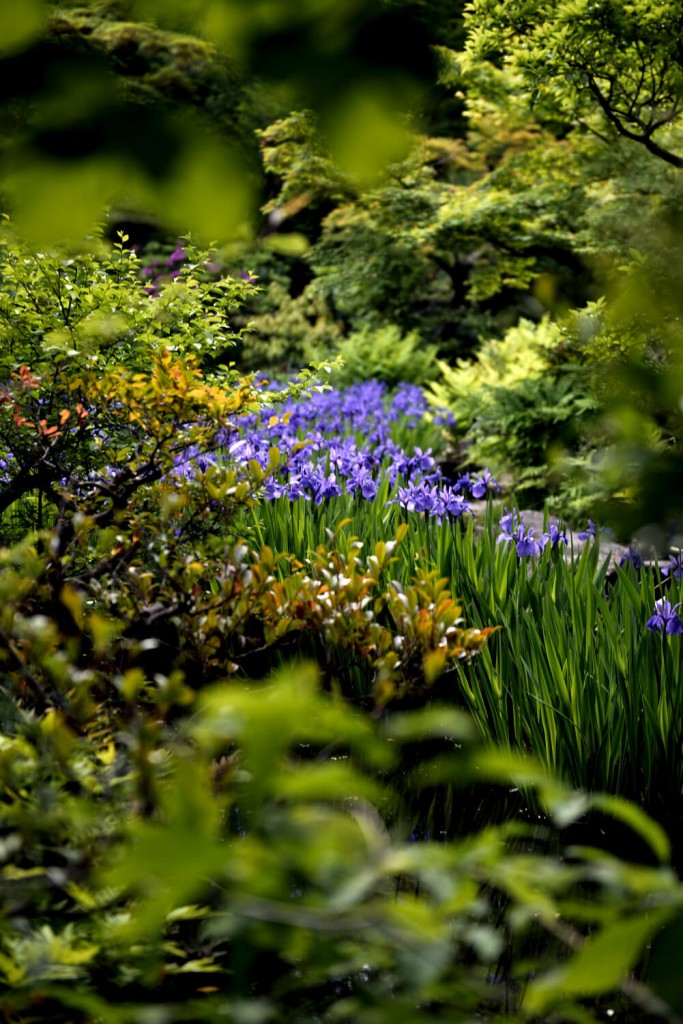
88	308
250	862
159	68
145	105
451	237
632	344
291	149
522	355
74	327
518	404
384	354
288	332
466	234
614	64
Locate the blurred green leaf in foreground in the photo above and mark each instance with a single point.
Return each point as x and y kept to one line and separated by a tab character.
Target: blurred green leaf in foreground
152	106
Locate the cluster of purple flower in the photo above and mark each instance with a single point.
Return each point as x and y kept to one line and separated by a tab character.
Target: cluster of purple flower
6	466
342	442
513	529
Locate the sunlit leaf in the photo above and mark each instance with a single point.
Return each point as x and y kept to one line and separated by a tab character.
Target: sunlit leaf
615	949
57	200
288	244
20	23
208	191
366	133
633	816
430	722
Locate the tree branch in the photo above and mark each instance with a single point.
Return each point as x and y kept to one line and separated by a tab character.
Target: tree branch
645	140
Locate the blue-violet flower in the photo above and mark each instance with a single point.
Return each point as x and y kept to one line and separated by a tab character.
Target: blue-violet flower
665	618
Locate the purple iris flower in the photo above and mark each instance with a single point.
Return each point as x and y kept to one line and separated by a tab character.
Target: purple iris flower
273	489
483	484
454	504
553	536
508	524
665	618
634	556
204	461
416	497
513	530
423	461
589	532
296	489
409	401
675	566
327	487
591	529
526	546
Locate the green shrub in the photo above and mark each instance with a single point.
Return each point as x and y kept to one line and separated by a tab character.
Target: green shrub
75	326
384	353
633	344
288	332
89	307
521	356
252	861
519	405
452	237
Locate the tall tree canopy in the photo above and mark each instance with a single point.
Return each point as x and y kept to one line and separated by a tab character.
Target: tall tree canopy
592	60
